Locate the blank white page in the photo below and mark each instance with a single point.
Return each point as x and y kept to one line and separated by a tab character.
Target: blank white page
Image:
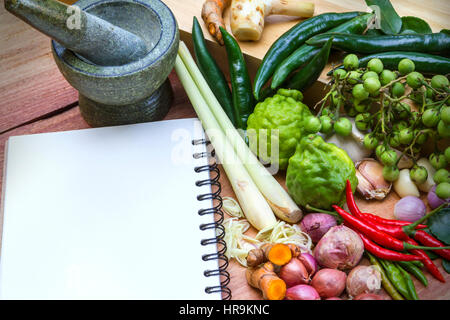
106	213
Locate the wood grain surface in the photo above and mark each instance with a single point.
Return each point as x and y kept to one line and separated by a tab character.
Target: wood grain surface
35	98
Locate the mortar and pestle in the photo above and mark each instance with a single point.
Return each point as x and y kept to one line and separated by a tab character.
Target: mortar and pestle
116	53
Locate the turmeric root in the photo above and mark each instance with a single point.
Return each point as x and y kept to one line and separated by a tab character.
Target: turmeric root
265	279
212	12
277	253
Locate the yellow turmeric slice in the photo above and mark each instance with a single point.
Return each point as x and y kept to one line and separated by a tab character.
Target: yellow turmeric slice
277	253
265	279
212	14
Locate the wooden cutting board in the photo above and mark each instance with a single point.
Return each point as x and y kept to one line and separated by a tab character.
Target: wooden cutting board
435	12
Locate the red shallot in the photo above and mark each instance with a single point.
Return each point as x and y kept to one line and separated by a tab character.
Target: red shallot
302	292
329	282
317	224
294	273
309	262
340	248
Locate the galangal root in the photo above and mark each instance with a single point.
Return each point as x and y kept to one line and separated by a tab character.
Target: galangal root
277	253
265	279
212	14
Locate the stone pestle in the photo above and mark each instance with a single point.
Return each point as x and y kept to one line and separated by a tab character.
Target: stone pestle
91	37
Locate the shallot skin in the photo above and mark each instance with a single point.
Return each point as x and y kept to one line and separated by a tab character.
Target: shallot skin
340	248
369	296
363	279
329	282
317	224
302	292
294	273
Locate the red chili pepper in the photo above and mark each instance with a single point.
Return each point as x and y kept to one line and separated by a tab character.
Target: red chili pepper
376	235
429	264
389	222
351	203
383	253
428	240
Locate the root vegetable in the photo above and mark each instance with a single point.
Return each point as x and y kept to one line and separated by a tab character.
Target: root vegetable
329	282
333	298
340	248
302	292
294	273
247	16
265	279
212	12
363	279
295	250
309	262
317	224
278	253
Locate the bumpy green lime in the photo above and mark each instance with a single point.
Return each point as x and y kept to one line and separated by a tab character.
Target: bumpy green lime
317	173
281	120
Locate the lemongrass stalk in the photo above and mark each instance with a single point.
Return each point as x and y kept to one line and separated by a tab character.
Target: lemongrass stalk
279	200
256	209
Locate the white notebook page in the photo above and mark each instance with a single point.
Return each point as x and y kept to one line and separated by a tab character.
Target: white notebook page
106	213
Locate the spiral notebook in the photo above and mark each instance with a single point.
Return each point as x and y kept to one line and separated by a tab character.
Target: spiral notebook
120	212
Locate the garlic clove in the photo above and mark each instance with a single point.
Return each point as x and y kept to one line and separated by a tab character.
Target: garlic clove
404	186
371	184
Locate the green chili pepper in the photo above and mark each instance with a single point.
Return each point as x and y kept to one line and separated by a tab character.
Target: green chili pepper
241	88
432	42
415	271
294	38
311	72
305	52
424	62
396	277
409	283
417	263
385	282
212	73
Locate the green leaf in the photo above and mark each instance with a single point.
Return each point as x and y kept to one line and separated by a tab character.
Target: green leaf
446	265
414	25
439	224
447	31
389	21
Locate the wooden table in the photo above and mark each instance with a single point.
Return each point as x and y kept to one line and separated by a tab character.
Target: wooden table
35	98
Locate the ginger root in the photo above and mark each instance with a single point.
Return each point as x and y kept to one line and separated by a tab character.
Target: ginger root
265	279
277	253
212	15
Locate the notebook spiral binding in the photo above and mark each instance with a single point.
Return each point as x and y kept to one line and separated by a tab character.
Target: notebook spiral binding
217	225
